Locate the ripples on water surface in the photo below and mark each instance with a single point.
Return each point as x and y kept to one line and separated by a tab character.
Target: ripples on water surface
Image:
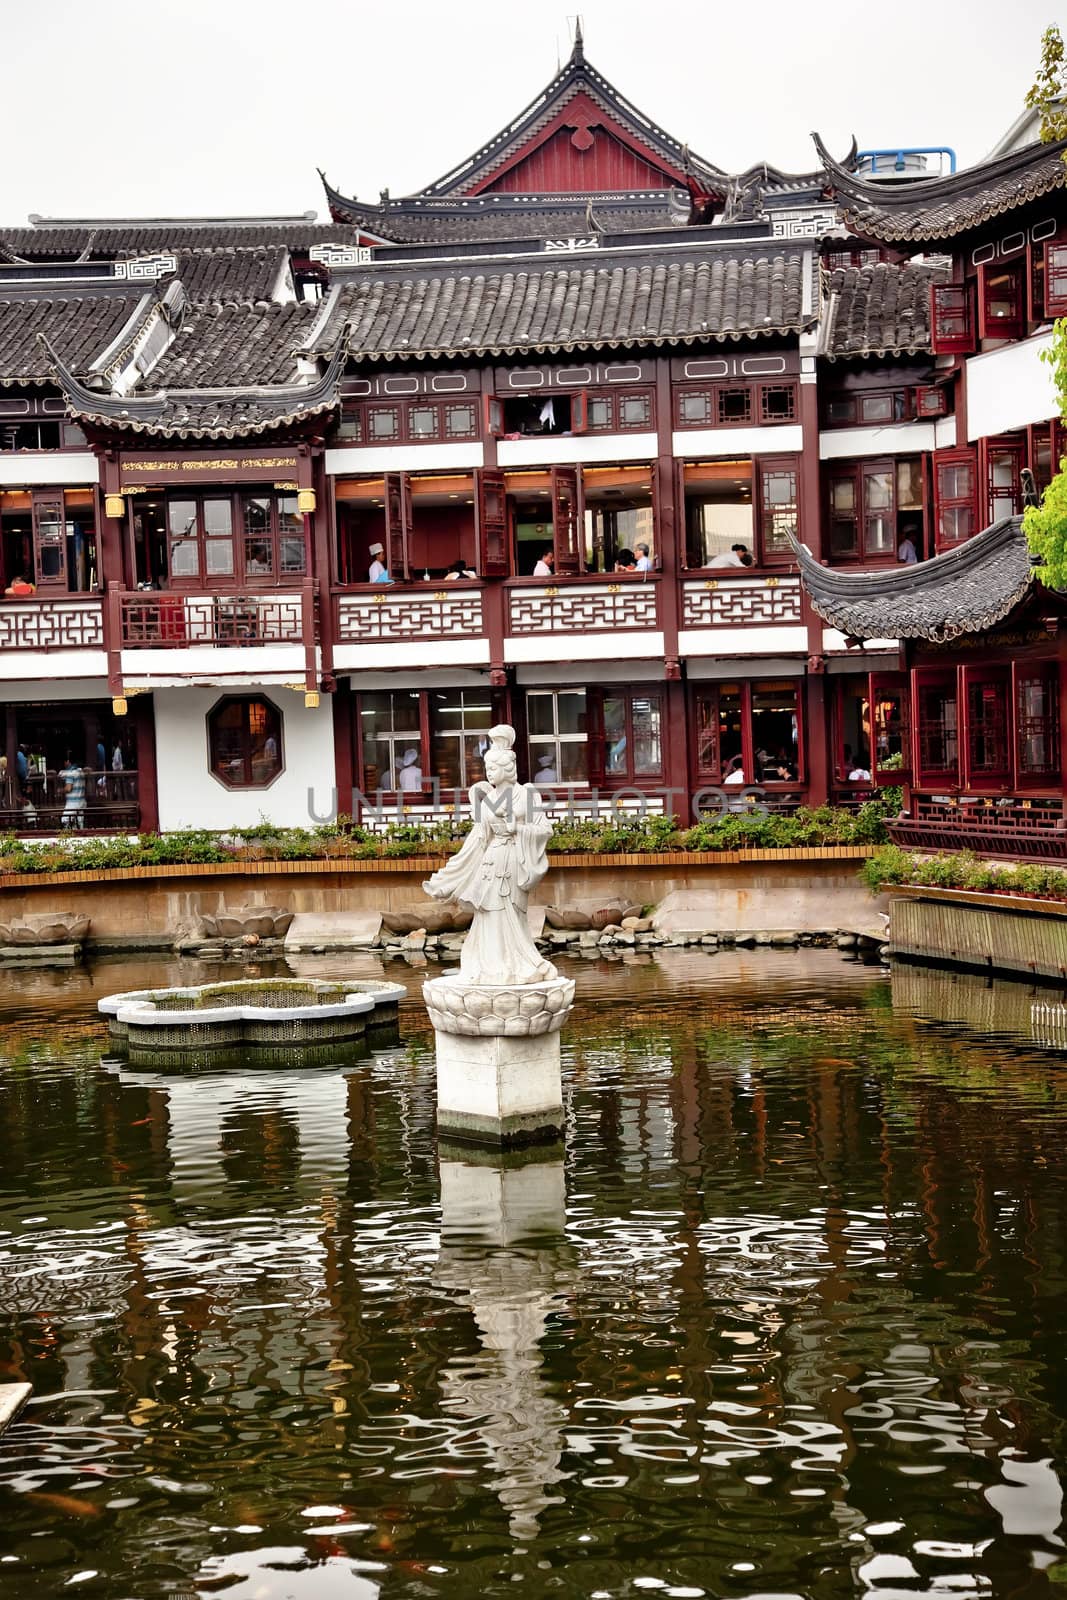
787	1320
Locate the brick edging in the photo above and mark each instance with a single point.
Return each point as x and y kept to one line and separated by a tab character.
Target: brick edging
344	865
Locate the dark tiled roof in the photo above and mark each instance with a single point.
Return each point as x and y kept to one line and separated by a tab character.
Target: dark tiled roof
111	242
942	208
226	345
230	274
80	327
968	589
879	310
725	294
416	220
201	414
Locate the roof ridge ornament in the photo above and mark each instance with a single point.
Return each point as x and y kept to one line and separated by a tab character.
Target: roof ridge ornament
578	48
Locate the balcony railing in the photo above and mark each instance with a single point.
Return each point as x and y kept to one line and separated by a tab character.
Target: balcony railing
176	621
73	622
729	601
1001	825
583	605
451	612
39	803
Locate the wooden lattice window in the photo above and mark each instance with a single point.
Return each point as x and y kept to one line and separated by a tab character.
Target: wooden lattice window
733	405
987	727
1037	723
952	322
938	732
1002	300
778	402
955	496
1056	278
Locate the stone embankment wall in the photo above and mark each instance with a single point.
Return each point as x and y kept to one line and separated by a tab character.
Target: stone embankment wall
803	891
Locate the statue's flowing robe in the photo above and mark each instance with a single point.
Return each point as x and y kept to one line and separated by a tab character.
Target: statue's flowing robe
502	859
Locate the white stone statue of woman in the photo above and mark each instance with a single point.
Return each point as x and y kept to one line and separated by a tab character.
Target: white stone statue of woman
502	859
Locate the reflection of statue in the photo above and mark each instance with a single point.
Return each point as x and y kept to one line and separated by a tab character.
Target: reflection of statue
502	859
502	1245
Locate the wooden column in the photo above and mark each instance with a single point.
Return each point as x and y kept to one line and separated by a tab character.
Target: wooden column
669	549
112	529
142	715
816	684
344	755
311	474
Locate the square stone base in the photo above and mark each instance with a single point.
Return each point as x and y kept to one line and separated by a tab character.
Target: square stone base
499	1089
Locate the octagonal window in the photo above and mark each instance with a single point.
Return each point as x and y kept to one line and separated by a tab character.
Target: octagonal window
245	741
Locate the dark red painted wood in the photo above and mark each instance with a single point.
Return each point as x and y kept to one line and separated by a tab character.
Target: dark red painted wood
580	150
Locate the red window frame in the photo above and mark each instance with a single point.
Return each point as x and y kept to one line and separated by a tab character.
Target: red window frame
1055	278
988	737
397	493
772	413
274	535
929	774
622	775
403	411
409	737
48	513
693	392
493	527
706	748
952	318
1002	299
766	468
567	519
931	400
614	399
888	727
1006	456
1042	727
955	496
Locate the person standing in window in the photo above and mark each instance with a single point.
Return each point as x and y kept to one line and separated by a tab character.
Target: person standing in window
624	561
409	773
907	554
545	566
644	559
459	569
72	778
376	572
546	768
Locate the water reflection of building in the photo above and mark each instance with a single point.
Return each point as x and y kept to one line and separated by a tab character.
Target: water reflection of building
502	1224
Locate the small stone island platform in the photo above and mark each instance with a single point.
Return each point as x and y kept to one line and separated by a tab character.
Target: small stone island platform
288	1014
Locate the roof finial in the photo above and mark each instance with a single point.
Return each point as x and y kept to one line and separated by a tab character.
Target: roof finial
578	50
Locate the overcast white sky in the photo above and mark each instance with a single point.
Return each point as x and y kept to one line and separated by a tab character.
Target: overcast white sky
226	107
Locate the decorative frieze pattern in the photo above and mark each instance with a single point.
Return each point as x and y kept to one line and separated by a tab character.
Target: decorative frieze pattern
593	608
388	615
51	625
740	602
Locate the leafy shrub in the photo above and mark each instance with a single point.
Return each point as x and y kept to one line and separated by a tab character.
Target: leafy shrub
962	870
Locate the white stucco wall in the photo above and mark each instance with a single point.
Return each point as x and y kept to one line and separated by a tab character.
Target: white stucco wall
190	797
1009	388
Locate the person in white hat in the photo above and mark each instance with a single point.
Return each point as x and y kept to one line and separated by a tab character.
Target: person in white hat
377	571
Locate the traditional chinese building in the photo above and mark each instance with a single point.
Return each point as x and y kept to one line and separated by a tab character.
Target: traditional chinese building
581	342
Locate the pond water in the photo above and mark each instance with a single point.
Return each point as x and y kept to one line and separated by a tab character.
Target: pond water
787	1319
